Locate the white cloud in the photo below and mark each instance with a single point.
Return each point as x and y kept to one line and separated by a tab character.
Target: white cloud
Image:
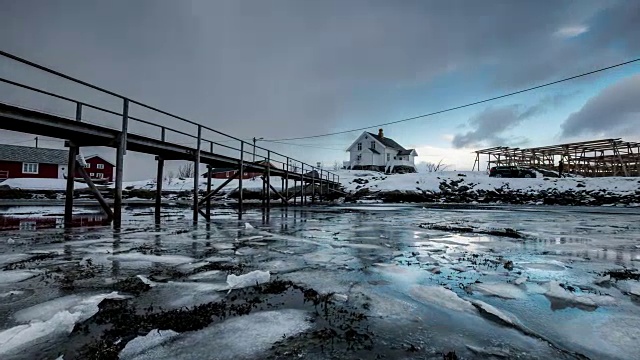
571	31
459	159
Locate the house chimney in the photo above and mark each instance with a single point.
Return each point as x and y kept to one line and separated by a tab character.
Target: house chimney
380	133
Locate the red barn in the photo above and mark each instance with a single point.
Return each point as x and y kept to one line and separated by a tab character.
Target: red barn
99	169
31	162
225	173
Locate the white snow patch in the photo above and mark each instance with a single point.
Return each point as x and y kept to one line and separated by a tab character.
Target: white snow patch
249	279
244	337
40	184
441	297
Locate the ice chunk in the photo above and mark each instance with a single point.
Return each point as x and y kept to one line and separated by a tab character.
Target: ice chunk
441	297
602	280
502	290
490	309
215	259
141	344
489	351
249	279
520	280
12	258
629	287
11	293
145	280
52	317
205	275
248	226
237	338
555	291
164	259
14	276
86	306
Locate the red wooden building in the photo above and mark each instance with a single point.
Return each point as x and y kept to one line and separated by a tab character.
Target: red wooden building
98	168
225	173
31	162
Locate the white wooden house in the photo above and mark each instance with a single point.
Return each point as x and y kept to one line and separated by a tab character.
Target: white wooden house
376	152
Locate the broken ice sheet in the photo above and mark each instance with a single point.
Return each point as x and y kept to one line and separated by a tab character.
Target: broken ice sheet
241	337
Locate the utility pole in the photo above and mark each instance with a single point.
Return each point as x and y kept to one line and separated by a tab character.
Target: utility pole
36	141
254	147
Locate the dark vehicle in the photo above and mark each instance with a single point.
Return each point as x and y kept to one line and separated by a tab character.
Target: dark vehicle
511	172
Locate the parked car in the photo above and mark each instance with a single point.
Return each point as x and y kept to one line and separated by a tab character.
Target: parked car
511	172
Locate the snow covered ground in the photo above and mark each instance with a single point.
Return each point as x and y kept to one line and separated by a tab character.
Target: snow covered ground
40	184
481	181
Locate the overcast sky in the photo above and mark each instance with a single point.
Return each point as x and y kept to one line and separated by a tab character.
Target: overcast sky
279	69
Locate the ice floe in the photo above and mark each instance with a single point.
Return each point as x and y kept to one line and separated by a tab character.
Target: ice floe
249	279
502	290
14	276
439	296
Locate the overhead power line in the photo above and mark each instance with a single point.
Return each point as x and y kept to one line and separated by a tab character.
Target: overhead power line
462	106
305	145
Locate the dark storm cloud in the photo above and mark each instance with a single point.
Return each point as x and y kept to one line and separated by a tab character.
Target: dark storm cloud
615	111
288	68
490	125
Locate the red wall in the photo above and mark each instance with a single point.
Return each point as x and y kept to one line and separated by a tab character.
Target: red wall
49	171
107	171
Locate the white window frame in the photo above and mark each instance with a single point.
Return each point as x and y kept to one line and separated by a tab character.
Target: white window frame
373	144
99	176
30	168
359	146
388	157
92	175
87	166
100	166
359	157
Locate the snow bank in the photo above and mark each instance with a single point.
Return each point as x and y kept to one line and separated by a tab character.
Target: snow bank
249	279
237	338
480	181
186	184
40	184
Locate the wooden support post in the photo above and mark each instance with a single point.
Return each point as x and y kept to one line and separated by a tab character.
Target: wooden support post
302	199
120	152
208	202
275	191
196	175
68	201
321	184
295	199
286	182
159	177
241	195
211	194
314	171
96	192
268	180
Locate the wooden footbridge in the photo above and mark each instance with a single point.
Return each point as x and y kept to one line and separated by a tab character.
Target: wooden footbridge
165	140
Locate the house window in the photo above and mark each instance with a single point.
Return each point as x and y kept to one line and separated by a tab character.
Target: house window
100	166
373	144
29	168
93	175
87	165
388	157
359	157
359	146
99	175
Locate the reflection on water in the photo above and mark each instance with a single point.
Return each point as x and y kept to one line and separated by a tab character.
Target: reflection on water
49	222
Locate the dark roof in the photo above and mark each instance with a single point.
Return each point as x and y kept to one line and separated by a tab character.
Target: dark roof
33	155
405	152
374	151
387	142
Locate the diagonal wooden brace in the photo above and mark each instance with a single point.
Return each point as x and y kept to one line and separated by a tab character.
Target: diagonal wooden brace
96	192
211	194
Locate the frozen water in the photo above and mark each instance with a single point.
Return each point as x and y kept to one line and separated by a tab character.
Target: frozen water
85	306
52	317
242	337
249	279
164	259
11	293
502	290
441	297
141	344
12	258
629	287
206	275
14	276
520	280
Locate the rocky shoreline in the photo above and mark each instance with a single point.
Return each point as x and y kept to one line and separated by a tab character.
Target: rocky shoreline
457	191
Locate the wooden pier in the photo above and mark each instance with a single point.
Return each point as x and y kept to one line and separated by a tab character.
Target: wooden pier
210	147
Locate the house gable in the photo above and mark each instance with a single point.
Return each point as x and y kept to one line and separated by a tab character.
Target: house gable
95	156
365	138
